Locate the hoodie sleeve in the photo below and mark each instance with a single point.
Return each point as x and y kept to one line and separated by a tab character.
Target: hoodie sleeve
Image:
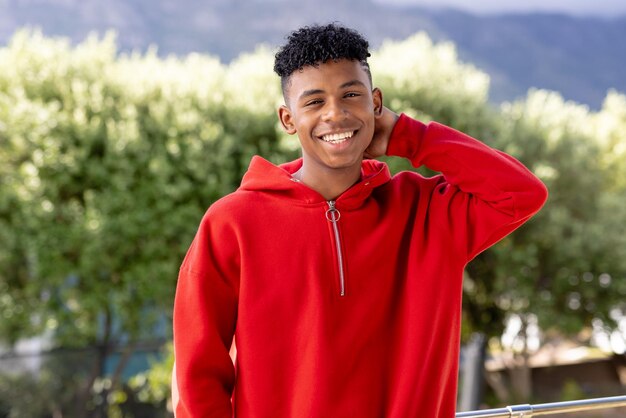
205	311
483	194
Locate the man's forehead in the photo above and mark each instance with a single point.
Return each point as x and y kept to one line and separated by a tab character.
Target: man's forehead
339	72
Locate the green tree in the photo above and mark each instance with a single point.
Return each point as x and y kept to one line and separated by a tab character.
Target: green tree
108	164
108	161
565	266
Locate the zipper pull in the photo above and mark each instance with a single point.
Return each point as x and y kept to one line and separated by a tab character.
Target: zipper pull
332	213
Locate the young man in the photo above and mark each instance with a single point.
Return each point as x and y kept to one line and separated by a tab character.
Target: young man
341	284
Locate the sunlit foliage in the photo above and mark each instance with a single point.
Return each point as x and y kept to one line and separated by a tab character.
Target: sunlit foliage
108	161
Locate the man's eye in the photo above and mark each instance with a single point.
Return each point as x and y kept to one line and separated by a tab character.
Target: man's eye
313	102
352	94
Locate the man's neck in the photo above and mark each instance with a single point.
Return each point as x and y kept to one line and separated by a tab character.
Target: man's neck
330	183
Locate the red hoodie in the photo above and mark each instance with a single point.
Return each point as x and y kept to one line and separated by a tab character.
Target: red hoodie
348	308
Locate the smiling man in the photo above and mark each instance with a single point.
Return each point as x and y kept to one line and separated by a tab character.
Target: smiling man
332	108
341	283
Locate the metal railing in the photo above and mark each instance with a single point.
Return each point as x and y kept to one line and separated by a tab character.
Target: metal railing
527	411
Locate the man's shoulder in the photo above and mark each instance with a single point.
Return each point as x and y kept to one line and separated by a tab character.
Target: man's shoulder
227	212
232	202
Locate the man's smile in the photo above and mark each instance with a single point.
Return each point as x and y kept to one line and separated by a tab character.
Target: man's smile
339	137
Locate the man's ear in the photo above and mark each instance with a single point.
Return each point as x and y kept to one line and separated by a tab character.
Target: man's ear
286	120
377	98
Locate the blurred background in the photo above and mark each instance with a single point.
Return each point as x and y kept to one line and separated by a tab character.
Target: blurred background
121	122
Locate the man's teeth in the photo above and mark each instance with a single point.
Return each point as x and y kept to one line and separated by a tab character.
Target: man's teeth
337	138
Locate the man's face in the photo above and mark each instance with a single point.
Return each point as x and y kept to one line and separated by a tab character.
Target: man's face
332	108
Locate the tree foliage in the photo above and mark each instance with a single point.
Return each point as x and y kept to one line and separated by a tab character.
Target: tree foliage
108	164
108	161
566	263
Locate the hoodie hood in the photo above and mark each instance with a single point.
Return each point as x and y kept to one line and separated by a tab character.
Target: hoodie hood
264	176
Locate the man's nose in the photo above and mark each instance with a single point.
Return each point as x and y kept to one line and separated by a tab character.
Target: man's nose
334	111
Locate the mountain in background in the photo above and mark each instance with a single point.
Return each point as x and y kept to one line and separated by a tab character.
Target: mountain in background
581	57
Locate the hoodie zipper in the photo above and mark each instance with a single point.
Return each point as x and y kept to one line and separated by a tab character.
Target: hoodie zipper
333	215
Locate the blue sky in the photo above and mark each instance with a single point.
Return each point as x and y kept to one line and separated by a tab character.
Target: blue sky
576	7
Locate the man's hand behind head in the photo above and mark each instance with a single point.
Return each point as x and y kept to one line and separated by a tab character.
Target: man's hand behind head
385	121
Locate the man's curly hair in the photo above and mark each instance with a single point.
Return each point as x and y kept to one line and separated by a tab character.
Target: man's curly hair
313	45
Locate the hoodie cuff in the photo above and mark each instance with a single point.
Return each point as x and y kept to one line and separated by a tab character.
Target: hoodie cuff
406	137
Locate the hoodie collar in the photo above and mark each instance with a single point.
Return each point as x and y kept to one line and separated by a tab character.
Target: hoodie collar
264	176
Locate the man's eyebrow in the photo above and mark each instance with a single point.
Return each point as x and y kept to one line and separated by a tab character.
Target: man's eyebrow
347	84
352	83
308	93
